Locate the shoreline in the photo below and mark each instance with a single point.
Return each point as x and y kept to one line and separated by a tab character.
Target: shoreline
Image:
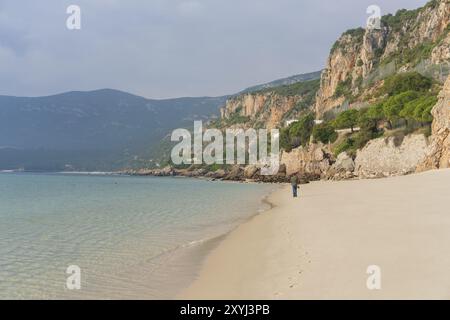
147	243
202	249
320	245
207	267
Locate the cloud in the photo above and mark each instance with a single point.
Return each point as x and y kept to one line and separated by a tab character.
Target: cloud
160	48
189	8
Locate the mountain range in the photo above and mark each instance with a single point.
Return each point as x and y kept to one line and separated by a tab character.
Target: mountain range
97	130
284	81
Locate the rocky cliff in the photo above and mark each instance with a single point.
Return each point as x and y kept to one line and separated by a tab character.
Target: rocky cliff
264	108
315	159
438	155
385	157
359	62
269	108
360	58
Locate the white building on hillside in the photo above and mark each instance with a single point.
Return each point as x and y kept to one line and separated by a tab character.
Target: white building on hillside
289	122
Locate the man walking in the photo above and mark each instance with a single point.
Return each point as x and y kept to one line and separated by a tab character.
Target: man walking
294	184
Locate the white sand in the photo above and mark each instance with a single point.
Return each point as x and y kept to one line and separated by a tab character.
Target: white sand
320	245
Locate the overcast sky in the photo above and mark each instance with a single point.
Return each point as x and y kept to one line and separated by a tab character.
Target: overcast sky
170	48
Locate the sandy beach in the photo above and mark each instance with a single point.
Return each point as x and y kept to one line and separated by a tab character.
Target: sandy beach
320	245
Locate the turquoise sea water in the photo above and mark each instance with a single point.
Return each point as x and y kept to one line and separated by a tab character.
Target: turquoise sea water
132	237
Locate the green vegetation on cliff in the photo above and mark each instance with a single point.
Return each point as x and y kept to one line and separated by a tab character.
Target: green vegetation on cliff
407	81
237	117
303	92
298	133
405	41
356	35
308	88
347	119
325	133
404	105
399	24
344	88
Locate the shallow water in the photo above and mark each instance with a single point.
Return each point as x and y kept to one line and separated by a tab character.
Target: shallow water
132	237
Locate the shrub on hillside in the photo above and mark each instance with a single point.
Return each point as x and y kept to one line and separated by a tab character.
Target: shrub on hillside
376	112
285	140
348	145
394	105
408	81
324	133
302	129
347	119
419	109
298	133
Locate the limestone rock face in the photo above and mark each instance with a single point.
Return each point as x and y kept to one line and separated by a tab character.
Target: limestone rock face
389	157
219	174
357	54
314	159
352	58
342	169
250	171
267	108
344	163
235	174
438	155
442	51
